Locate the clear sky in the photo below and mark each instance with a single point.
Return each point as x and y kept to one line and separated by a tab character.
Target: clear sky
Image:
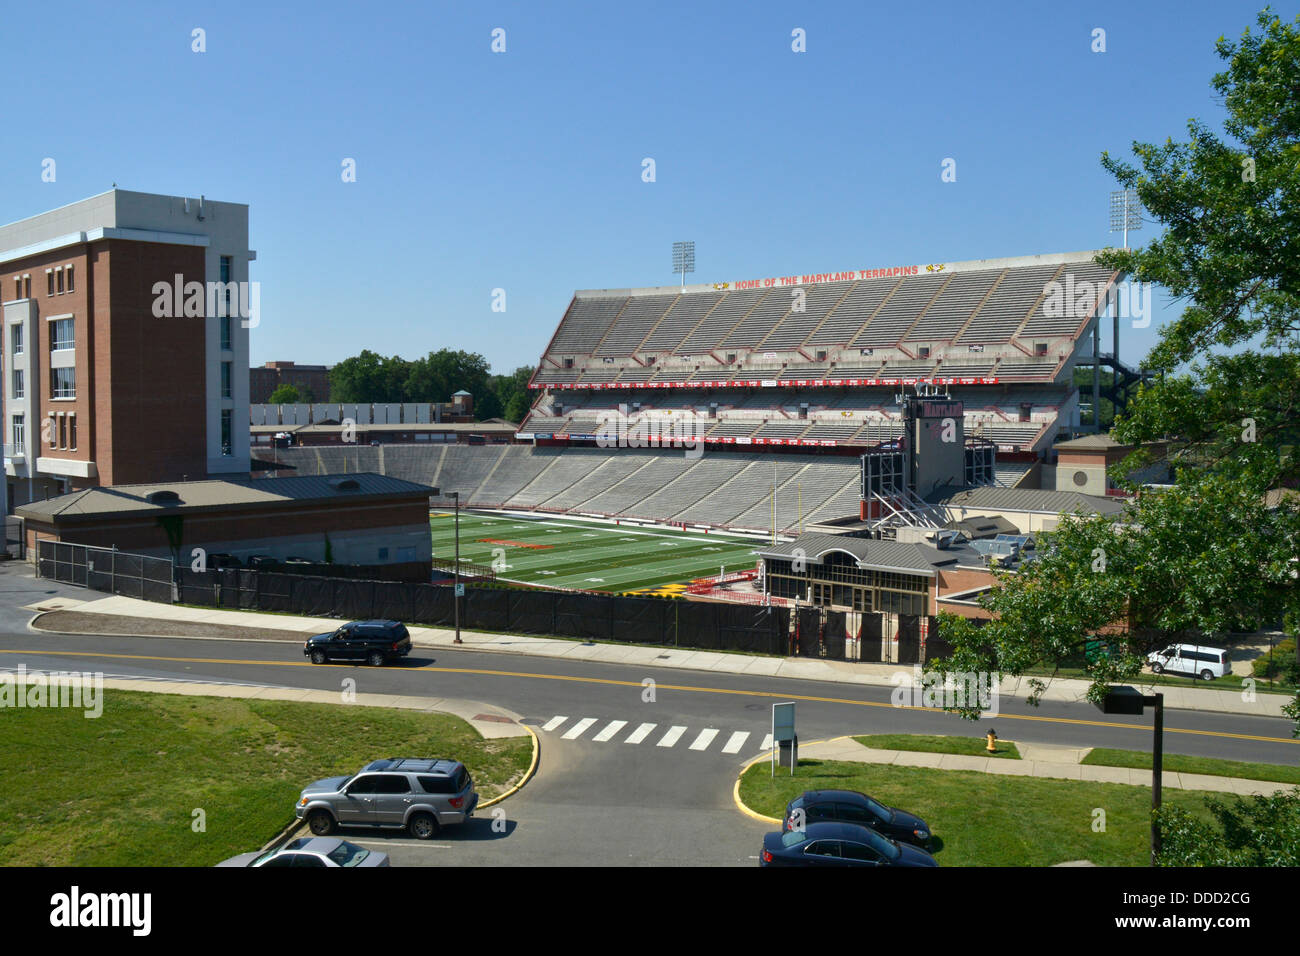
522	170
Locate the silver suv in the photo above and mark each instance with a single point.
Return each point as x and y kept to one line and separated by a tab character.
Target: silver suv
422	795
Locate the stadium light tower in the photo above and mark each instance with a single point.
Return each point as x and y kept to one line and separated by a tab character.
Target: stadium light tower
683	258
1125	212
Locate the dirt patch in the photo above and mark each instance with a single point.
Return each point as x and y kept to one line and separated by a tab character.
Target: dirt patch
85	622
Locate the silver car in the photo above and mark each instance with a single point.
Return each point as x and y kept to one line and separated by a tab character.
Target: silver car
421	794
311	852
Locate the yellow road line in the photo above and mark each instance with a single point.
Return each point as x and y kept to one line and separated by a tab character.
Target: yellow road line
686	688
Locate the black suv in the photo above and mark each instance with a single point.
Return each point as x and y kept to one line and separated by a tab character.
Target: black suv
375	642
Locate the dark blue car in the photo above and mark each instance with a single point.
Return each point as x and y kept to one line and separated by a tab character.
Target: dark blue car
839	844
849	806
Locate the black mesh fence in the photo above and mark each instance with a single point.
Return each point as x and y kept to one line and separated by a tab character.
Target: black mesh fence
909	639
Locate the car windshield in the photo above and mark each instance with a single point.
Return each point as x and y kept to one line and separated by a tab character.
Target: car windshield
883	845
264	857
793	838
348	854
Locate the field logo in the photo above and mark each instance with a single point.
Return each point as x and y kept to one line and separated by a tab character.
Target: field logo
680	431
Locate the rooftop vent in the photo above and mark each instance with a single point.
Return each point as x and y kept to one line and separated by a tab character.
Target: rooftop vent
163	498
345	484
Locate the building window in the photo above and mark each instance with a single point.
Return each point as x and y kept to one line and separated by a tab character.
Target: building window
72	432
1040	348
225	268
924	351
59	276
27	286
62	334
48	426
49	281
18	383
63	432
226	372
68	270
16	336
63	383
225	330
19	435
227	432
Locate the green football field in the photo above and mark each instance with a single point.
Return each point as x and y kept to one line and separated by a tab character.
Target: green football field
571	553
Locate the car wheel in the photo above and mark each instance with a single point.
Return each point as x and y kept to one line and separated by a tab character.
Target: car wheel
320	822
423	826
318	657
375	658
1157	668
1206	675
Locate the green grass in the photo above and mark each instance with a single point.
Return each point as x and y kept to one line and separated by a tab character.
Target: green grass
120	790
589	555
982	819
1181	763
936	744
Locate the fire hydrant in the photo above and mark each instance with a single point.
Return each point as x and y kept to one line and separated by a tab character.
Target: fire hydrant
992	736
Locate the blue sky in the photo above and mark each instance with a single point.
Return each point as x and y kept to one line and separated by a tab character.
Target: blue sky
522	170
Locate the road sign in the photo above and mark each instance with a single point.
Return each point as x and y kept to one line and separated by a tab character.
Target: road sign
460	590
783	731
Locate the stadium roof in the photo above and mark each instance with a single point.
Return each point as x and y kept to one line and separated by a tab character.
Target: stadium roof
1039	500
217	494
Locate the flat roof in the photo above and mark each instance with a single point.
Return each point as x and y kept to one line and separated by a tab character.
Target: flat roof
216	494
1038	500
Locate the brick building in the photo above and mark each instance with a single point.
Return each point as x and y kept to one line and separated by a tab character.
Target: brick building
311	381
357	519
119	364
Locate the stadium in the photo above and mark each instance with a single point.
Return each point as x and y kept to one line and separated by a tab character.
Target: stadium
868	443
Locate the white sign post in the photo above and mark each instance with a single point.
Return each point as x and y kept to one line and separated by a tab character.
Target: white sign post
782	730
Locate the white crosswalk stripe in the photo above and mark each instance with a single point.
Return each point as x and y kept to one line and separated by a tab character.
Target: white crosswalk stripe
735	742
613	730
674	734
613	727
640	734
704	739
580	728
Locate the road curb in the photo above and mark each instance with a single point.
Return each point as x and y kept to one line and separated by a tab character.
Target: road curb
735	790
532	769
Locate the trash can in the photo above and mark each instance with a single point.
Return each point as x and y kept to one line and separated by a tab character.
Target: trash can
788	753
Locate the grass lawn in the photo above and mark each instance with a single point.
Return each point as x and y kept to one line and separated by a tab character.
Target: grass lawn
982	819
120	790
935	744
1180	763
571	553
1231	682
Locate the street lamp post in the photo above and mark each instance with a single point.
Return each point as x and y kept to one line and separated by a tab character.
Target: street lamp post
1131	702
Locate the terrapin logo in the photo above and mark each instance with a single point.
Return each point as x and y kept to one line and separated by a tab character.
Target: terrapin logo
684	430
75	909
203	300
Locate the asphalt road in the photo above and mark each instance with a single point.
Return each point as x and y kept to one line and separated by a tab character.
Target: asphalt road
610	802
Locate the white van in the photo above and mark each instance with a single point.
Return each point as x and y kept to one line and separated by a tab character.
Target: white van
1204	662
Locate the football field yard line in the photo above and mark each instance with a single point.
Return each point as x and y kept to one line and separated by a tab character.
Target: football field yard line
589	556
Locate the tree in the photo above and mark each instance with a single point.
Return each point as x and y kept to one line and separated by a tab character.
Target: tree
284	395
1197	558
1179	563
1259	831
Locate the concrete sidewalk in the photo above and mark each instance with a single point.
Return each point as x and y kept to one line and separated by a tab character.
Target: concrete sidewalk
1055	762
290	627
